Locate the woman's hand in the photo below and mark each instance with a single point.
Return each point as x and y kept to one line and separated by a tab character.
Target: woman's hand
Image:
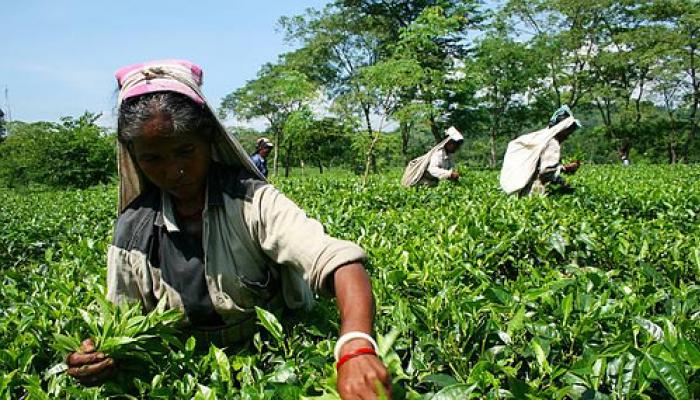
361	376
571	167
88	366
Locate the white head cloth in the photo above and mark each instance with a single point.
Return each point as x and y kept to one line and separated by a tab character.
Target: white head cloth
454	134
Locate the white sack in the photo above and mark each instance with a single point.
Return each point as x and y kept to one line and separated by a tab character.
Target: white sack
523	154
416	168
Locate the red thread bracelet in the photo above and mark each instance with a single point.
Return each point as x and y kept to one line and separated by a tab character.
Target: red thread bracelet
362	351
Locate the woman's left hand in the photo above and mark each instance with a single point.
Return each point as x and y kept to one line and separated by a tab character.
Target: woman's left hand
361	377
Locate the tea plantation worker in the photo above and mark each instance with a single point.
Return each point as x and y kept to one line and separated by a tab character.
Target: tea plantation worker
199	226
262	150
624	155
533	161
435	165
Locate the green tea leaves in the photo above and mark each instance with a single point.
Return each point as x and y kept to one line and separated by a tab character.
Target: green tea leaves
478	295
270	323
670	376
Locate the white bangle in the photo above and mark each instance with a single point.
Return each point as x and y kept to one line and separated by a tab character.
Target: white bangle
352	336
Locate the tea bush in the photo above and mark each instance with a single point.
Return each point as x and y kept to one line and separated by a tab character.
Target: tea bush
592	295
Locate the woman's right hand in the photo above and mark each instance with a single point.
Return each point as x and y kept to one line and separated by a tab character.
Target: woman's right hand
88	366
571	167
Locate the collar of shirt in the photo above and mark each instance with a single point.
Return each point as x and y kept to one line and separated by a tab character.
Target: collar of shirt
214	198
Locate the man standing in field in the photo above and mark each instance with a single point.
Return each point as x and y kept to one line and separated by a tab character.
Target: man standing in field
435	165
533	161
262	149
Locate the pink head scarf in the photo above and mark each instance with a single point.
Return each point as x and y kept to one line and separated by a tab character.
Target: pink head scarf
160	76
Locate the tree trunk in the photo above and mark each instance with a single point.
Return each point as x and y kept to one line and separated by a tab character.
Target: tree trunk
320	166
672	157
672	143
287	160
604	108
275	154
555	83
693	127
492	144
371	157
435	129
638	100
492	135
624	149
694	106
405	130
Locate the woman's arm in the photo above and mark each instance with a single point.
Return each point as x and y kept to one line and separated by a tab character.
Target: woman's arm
358	377
290	238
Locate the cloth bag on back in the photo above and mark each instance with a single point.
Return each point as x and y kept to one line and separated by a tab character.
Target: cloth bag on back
416	168
523	154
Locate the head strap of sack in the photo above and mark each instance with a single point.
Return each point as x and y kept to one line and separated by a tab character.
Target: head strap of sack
561	114
175	76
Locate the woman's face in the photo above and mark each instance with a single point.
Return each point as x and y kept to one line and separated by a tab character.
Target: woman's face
563	135
264	151
451	146
175	164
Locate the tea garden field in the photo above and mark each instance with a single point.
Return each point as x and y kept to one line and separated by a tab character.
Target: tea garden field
592	295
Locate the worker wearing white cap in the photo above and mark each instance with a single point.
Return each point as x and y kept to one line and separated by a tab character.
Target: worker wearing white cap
441	165
435	165
262	149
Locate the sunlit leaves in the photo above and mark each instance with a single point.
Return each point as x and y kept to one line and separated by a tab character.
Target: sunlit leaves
473	298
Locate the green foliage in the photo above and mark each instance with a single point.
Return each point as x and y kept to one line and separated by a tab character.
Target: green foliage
279	91
246	137
74	153
496	70
479	295
319	143
122	332
506	69
387	148
3	129
276	92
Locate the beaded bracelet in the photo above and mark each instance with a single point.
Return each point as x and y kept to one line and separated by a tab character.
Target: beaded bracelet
362	351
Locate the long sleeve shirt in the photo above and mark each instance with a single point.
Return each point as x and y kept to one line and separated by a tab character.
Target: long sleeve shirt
441	165
550	162
257	245
548	170
260	163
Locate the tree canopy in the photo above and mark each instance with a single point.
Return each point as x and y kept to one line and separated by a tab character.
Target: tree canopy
412	68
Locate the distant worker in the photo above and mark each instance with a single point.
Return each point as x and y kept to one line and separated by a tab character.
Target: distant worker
624	155
435	165
533	161
625	160
262	149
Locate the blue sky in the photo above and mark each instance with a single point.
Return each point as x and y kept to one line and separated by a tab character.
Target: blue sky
58	57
